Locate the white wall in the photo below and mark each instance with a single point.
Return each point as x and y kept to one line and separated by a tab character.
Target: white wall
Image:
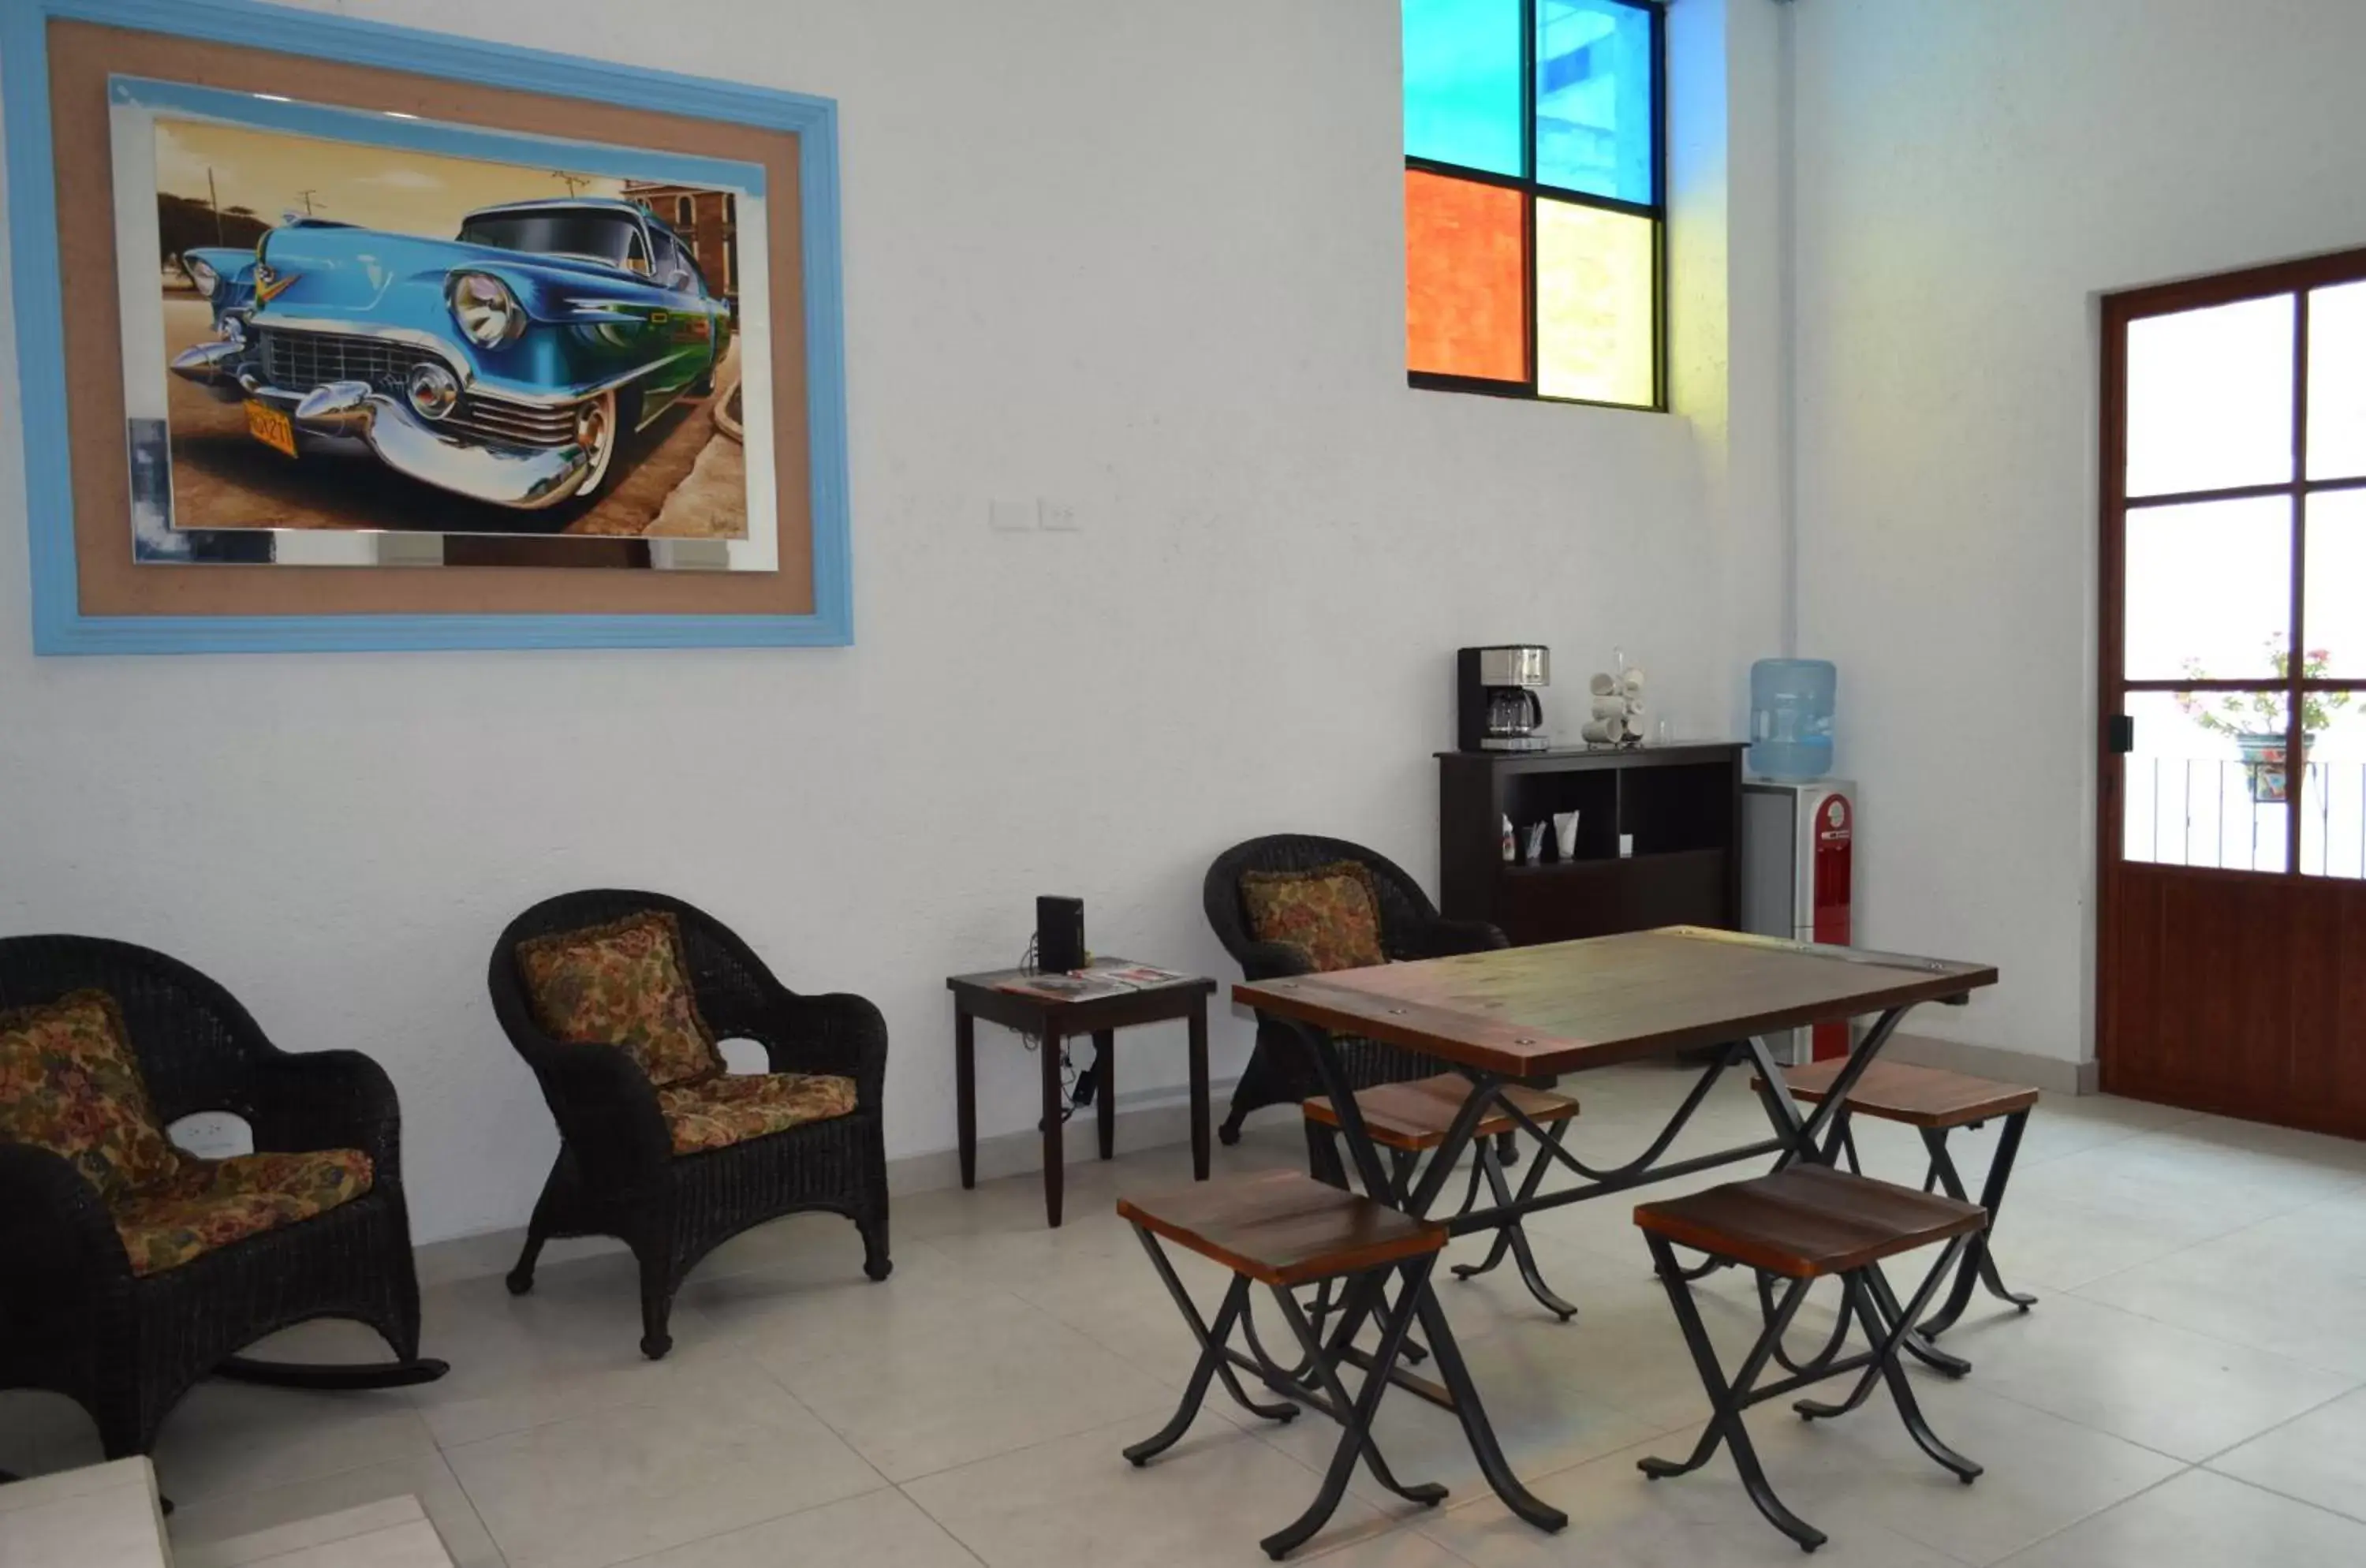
1143	259
1970	177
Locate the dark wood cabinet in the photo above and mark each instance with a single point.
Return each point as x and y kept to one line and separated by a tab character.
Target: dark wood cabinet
1680	803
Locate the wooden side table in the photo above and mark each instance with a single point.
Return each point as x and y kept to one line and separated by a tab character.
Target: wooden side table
1051	1021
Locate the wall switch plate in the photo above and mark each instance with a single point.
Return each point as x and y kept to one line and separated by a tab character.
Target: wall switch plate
1057	517
1010	517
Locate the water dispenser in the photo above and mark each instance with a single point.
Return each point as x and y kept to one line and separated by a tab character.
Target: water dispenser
1791	718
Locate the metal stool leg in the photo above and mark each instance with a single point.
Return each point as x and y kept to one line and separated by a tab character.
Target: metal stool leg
1202	1374
1356	1419
1823	1356
1980	1261
1728	1399
1891	1331
1327	1361
1214	1361
1918	1347
1816	1410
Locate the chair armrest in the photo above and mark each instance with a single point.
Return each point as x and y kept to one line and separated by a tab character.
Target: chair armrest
326	1100
1275	961
838	1032
1442	938
54	1231
606	1110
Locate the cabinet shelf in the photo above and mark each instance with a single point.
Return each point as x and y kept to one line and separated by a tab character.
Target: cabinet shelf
1598	865
1681	805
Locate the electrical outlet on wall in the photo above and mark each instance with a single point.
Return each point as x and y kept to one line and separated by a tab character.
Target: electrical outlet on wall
1010	517
1057	517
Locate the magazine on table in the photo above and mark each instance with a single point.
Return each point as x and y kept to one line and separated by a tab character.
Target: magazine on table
1092	983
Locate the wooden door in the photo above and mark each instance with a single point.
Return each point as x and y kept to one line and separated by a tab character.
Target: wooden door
2231	941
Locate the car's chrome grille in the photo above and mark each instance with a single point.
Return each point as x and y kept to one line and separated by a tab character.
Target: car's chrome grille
527	425
299	361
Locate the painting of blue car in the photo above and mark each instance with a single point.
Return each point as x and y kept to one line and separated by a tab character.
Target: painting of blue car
394	352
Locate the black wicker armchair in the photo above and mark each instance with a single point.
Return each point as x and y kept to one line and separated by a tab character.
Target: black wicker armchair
76	1319
618	1173
1279	1072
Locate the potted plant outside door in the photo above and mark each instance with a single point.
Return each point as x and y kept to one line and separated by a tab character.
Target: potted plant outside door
2255	721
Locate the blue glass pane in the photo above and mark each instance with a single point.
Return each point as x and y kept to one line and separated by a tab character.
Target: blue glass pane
1593	98
1462	82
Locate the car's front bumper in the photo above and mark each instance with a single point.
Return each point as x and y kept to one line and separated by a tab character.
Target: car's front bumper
466	463
502	474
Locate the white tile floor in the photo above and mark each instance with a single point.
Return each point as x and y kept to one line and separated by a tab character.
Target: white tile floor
2190	1391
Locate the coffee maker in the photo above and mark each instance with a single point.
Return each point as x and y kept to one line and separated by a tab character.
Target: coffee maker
1496	705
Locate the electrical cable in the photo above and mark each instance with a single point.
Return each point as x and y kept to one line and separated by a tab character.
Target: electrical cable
1076	1085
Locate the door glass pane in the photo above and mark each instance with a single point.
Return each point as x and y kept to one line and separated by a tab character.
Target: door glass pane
2337	382
1466	279
1593	98
1462	82
2209	590
2206	783
1594	304
2334	613
2210	398
2333	797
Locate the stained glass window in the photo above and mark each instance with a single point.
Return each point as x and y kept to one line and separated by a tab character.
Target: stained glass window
1594	304
1462	65
1466	279
1534	213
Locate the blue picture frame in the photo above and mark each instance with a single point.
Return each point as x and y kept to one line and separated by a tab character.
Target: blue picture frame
59	625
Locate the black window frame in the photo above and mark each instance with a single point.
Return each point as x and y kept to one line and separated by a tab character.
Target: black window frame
1532	189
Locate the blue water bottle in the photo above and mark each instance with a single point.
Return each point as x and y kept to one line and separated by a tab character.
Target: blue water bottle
1791	718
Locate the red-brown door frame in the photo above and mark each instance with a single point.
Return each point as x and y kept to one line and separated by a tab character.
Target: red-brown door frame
2119	310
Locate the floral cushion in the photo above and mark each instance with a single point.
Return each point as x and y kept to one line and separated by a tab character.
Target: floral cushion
725	1111
623	984
70	1084
1330	912
211	1203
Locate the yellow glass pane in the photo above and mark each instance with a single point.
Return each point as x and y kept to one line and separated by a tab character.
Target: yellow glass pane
1594	304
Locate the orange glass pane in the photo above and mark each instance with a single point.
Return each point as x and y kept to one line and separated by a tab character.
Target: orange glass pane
1466	279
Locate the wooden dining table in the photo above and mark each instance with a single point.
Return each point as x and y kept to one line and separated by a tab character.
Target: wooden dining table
1563	1008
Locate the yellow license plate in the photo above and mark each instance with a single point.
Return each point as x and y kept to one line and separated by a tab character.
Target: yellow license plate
270	426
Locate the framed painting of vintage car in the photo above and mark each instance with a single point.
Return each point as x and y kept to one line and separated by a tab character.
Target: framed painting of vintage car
377	338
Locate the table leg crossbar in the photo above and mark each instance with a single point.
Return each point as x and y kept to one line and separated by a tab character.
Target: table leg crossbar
1887	1330
1316	1384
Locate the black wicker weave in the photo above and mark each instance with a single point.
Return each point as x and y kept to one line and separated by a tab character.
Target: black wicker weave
75	1320
1278	1071
618	1174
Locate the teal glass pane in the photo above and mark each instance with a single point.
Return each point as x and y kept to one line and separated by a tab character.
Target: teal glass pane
1462	82
1594	112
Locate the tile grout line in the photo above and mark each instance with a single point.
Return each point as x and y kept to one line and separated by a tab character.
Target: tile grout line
2211	1463
2180	1475
766	1372
979	1283
207	1499
2287	1496
2182	1470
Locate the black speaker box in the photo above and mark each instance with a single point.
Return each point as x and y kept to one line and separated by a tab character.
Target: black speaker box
1059	935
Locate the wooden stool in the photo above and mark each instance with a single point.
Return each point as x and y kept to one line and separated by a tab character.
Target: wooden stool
1283	1230
1411	1119
1803	1222
1936	1102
